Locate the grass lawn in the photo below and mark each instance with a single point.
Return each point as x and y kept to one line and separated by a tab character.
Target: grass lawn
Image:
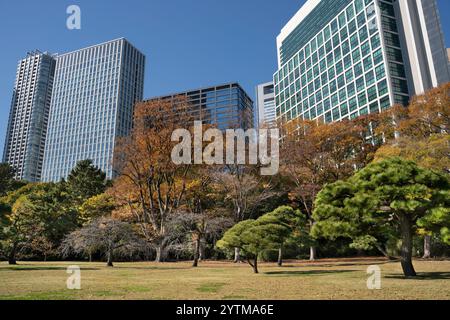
325	279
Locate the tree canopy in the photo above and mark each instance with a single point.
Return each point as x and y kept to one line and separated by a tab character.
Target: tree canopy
390	193
269	232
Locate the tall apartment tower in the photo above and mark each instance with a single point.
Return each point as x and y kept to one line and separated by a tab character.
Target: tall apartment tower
265	104
28	118
225	106
93	99
340	59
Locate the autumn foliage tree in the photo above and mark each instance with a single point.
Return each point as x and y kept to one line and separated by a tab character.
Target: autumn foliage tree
314	154
150	185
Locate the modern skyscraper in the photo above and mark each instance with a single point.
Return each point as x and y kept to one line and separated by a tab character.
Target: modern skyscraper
28	118
341	59
226	106
93	99
265	104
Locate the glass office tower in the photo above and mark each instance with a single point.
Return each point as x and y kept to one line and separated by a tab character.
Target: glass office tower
93	99
27	126
226	106
340	59
265	104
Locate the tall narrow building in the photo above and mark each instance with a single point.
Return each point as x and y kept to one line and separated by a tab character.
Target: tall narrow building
93	99
341	59
28	118
265	105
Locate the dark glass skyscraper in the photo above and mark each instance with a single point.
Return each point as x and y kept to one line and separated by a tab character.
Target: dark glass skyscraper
93	99
226	106
27	126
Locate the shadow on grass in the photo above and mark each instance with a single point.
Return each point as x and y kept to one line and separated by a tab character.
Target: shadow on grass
306	273
423	276
355	264
34	268
153	268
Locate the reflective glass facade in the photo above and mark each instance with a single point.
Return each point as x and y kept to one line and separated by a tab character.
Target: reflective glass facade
346	63
28	118
93	99
226	106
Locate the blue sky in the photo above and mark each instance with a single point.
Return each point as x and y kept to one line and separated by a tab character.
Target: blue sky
188	43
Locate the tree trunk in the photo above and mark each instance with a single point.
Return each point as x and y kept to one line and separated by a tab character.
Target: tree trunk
237	255
90	256
312	253
202	256
427	247
160	254
255	265
406	259
12	256
280	257
110	258
312	249
196	252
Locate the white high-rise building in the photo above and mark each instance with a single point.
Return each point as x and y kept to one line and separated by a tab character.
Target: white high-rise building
265	104
341	59
28	118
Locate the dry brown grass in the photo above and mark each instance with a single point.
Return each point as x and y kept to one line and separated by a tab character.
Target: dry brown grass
325	279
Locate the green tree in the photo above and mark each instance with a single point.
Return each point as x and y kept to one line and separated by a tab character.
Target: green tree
95	207
52	206
391	193
85	181
7	182
6	176
269	232
18	228
36	210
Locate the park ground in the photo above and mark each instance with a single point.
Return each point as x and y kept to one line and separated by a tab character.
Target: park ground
297	280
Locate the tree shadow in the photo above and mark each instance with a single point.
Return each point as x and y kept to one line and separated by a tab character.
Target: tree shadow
153	268
422	276
25	268
355	264
306	272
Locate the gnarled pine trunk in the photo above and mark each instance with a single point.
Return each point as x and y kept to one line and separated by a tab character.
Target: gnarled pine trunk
254	264
406	250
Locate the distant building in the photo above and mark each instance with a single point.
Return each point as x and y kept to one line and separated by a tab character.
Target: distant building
448	57
93	99
28	117
340	59
265	104
225	106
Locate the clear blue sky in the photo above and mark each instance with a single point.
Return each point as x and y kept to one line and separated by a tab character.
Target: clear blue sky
188	43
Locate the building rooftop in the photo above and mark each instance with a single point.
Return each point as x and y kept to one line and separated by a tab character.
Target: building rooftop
203	89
